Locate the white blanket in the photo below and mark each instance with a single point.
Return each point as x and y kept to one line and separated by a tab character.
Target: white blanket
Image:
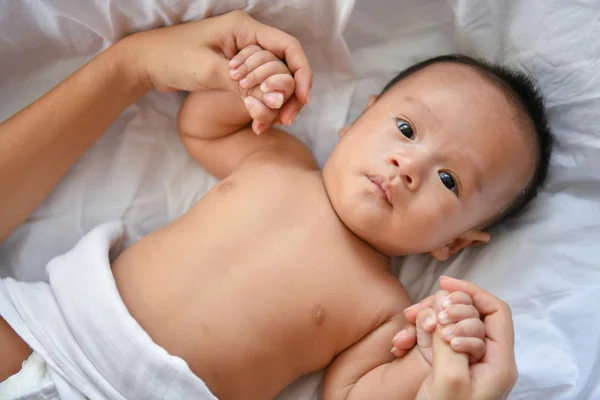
545	265
92	346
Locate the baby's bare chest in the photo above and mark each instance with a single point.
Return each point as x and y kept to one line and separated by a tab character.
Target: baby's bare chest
278	250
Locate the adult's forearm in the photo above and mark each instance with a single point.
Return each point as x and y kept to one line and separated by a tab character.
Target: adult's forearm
41	142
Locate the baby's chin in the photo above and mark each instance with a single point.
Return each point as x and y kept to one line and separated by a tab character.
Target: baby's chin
383	245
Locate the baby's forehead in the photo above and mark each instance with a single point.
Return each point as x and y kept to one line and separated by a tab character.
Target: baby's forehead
448	75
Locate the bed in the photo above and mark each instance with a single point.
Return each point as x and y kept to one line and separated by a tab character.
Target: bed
544	265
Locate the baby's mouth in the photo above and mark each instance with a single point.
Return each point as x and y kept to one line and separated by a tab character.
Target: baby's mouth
382	187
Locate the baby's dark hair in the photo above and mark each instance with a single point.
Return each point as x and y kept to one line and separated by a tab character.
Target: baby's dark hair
523	92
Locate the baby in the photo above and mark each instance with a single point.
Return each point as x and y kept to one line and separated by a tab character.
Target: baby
283	268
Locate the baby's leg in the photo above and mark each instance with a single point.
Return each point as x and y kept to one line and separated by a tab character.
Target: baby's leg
14	351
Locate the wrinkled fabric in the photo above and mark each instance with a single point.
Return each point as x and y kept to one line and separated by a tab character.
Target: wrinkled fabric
92	347
543	265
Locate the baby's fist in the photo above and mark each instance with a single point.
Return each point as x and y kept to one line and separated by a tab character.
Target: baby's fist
265	83
461	326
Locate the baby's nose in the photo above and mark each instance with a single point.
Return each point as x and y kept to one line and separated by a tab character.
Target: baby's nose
410	169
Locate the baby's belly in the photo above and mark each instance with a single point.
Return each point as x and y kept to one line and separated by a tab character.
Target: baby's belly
251	291
247	328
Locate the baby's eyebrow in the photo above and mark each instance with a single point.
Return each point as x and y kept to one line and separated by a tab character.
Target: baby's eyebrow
424	107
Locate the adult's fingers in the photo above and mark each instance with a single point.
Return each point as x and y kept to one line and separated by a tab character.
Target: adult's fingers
496	313
499	341
249	31
290	110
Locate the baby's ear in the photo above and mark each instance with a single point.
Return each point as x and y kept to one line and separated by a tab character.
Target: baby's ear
470	238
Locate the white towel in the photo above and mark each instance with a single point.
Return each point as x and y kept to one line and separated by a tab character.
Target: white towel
91	344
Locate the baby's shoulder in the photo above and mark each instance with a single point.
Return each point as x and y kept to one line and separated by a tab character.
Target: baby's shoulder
282	149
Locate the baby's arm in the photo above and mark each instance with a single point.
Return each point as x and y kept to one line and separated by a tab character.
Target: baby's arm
213	125
369	370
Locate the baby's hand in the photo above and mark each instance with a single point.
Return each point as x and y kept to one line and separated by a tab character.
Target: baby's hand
458	321
265	83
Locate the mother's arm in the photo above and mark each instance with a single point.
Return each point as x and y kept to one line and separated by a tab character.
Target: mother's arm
41	142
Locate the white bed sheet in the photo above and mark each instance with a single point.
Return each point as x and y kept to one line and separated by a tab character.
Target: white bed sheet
543	265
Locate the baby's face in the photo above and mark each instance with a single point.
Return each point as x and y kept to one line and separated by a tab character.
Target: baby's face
432	160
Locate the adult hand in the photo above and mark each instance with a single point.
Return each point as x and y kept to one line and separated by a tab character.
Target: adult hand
198	55
41	142
496	374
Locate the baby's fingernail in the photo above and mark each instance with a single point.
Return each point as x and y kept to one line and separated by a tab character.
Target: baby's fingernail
447	303
395	352
292	118
248	102
430	322
244	83
400	334
233	63
273	100
235	73
447	333
263	87
443	317
456	343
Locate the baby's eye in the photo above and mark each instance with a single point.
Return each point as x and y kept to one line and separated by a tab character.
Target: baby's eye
449	181
405	129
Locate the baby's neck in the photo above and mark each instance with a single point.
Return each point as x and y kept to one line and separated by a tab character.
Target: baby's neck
385	258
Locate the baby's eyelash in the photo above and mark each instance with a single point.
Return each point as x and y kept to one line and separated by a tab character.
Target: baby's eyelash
405	128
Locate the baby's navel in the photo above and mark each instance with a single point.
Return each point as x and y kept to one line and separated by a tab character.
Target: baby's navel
318	315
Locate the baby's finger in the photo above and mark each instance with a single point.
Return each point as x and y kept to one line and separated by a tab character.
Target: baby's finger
411	312
255	61
259	112
458	298
260	74
456	313
241	57
283	83
406	338
440	298
273	100
472	327
426	324
475	347
259	127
